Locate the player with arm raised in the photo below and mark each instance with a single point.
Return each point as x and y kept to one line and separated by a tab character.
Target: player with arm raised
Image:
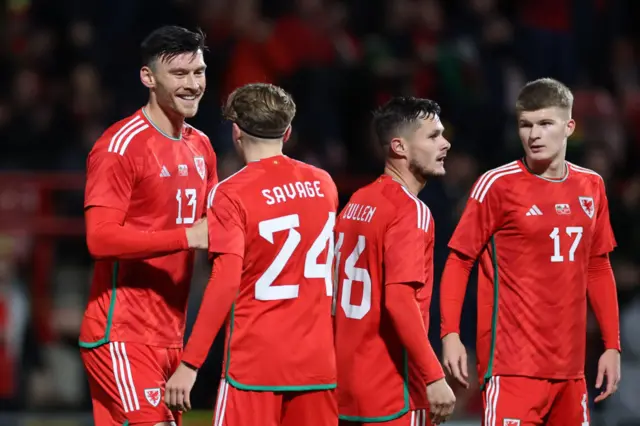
539	228
271	240
387	370
147	181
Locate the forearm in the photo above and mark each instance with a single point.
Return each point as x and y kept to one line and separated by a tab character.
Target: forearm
217	301
453	287
108	238
603	297
407	319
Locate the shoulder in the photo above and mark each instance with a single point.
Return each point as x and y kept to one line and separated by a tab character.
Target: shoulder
495	180
199	137
124	136
317	172
231	185
585	174
406	205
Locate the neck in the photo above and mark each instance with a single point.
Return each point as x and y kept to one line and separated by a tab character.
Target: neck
169	123
554	169
405	177
258	150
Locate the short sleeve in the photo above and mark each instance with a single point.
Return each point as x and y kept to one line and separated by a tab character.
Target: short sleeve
603	238
404	247
110	180
481	218
226	224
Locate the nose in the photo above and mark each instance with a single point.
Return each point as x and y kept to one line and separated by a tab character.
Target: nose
192	82
447	145
535	133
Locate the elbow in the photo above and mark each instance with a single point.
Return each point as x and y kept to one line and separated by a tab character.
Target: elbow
96	246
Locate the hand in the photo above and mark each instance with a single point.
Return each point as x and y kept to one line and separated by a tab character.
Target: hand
455	358
441	401
609	367
198	235
178	388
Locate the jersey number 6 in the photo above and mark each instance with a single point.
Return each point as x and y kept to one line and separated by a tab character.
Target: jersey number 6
353	274
312	269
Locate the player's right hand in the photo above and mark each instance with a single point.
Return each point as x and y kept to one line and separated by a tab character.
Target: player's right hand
198	235
455	358
442	401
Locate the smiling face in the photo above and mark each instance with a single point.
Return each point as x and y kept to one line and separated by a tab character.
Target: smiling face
544	133
178	82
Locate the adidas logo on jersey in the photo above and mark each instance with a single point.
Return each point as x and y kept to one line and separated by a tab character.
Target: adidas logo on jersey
164	172
534	211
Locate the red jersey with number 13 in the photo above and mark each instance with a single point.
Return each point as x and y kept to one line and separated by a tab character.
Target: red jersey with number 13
534	238
160	183
278	215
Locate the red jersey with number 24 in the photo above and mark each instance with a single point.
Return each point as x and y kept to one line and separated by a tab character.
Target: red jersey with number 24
161	183
278	215
384	235
534	238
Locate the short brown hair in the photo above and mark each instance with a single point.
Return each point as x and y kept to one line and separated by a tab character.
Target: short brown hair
544	93
261	110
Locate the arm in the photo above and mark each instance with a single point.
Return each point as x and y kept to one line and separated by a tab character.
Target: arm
108	237
453	286
480	220
400	302
603	297
218	298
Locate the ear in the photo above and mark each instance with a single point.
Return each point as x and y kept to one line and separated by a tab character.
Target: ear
398	146
147	78
571	127
236	133
287	134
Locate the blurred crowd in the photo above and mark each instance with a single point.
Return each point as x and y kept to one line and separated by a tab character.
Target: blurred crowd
68	69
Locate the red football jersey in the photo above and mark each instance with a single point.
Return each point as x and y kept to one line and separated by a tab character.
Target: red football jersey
533	237
384	235
161	183
278	214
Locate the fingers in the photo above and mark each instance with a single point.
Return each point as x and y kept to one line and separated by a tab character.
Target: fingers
600	377
464	366
612	383
174	398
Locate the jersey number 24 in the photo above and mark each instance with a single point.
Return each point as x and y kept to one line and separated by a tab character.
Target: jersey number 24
312	269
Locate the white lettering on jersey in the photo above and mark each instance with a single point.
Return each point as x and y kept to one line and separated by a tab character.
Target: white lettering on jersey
358	212
289	191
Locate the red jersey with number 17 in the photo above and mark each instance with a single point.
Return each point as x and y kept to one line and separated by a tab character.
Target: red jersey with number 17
278	215
384	235
534	238
160	183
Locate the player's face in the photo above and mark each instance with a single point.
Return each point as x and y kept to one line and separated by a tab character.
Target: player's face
427	148
179	83
544	133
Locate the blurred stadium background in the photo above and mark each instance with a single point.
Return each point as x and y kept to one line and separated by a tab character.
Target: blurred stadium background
69	68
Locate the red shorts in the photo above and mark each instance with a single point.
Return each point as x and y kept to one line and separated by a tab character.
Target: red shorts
127	381
525	401
235	407
418	417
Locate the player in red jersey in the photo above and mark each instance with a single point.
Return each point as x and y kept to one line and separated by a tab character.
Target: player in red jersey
147	182
271	240
387	370
540	230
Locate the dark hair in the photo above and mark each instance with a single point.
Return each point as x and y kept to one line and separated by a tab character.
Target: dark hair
261	110
399	113
170	41
544	93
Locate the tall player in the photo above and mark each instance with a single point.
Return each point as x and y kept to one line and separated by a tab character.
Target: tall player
387	370
147	181
271	239
540	230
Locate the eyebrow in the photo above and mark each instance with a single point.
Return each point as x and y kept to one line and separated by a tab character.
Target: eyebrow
183	69
436	132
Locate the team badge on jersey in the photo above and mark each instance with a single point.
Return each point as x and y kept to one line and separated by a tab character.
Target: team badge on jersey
511	422
587	205
153	396
563	209
201	167
182	170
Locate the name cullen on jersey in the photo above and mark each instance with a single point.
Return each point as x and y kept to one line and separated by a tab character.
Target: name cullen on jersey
289	191
358	212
